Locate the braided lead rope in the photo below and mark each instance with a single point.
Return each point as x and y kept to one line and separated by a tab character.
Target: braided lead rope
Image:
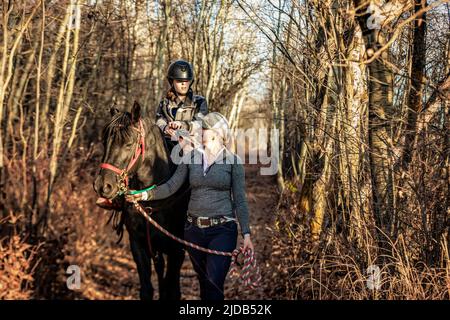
250	274
167	233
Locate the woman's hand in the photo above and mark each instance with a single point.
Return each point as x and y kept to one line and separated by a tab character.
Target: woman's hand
248	245
142	196
185	145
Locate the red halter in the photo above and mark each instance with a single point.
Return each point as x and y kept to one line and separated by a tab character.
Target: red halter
140	150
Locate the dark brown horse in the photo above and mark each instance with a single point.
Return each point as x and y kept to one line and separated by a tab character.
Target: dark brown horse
125	137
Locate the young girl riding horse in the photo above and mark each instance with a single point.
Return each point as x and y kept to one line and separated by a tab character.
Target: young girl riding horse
181	108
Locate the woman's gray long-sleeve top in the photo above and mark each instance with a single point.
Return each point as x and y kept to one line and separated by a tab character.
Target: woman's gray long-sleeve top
215	193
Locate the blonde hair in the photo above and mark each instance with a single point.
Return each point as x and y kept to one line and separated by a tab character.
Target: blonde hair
217	122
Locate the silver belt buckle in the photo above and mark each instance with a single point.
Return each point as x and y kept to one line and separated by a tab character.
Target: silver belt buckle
199	222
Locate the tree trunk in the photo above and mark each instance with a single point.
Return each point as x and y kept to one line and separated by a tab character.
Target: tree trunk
415	102
380	86
161	50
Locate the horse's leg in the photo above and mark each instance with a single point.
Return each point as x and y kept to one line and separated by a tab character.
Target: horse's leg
172	279
142	259
159	268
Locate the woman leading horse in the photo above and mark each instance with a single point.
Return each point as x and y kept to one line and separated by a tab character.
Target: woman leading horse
217	200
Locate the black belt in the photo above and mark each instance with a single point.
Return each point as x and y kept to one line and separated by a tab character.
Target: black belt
205	222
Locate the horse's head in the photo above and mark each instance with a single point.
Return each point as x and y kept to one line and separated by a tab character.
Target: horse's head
123	142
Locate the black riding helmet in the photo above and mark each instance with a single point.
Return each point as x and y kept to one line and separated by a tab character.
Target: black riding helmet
180	70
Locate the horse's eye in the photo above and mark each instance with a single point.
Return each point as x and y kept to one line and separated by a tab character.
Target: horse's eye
129	145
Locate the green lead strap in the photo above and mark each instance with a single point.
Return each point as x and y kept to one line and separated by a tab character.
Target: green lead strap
143	190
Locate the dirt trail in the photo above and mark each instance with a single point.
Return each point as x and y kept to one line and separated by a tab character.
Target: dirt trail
113	275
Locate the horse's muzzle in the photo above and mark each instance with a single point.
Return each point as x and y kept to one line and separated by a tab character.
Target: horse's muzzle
104	188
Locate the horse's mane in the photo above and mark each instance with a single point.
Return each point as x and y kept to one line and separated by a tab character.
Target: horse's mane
119	127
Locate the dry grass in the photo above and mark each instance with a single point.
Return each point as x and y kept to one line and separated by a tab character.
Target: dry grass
76	234
17	265
337	268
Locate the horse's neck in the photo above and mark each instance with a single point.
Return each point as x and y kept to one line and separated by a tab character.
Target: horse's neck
156	167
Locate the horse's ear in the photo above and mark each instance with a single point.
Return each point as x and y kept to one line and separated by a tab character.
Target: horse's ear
113	110
135	112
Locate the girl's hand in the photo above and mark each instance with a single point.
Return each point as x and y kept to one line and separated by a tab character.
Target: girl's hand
248	245
169	131
142	196
175	125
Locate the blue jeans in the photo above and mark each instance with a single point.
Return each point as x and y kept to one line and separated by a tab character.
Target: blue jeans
211	269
